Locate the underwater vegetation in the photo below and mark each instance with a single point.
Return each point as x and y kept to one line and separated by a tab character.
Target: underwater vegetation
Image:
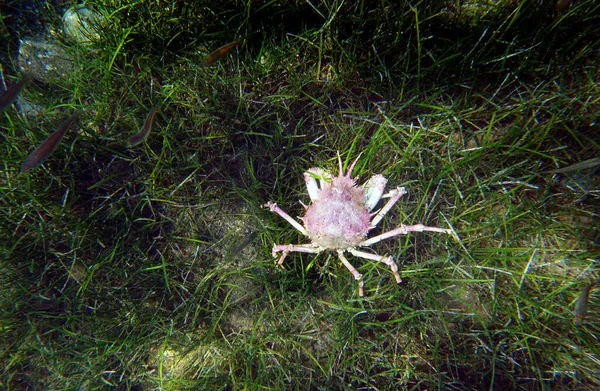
135	248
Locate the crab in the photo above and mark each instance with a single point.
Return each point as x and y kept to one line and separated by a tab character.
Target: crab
340	217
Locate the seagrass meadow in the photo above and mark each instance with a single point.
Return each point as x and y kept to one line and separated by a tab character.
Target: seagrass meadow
147	265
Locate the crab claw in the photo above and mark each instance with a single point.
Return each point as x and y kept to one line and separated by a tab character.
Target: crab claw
373	190
311	177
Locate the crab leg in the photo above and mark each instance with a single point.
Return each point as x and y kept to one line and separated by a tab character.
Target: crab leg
402	230
355	273
395	196
374	257
285	249
275	208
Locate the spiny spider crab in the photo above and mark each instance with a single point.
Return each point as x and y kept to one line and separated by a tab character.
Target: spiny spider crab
339	218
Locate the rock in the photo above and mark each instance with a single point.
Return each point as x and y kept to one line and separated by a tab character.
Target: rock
44	61
82	25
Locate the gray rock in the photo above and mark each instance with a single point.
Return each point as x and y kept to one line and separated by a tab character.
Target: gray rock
44	61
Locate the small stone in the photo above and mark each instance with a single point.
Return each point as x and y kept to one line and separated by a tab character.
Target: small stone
82	24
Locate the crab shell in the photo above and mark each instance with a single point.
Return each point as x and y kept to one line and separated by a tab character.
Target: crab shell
339	216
